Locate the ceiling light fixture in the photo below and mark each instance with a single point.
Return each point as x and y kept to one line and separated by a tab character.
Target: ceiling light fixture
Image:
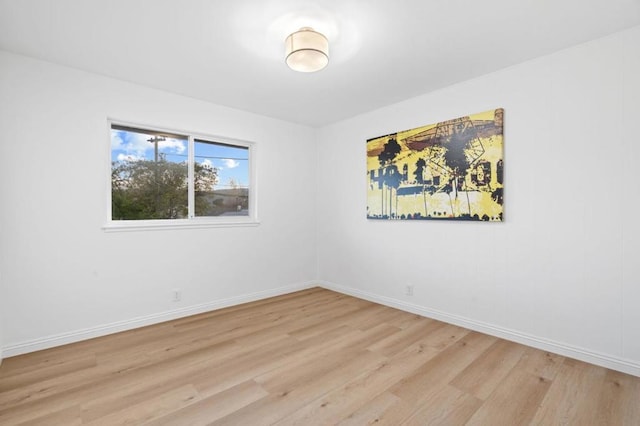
307	50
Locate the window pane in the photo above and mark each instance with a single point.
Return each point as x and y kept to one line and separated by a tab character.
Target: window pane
148	174
221	179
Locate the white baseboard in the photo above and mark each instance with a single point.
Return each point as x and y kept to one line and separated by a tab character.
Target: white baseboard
603	360
103	330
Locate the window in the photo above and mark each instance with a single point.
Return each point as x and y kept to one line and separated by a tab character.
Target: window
229	166
161	178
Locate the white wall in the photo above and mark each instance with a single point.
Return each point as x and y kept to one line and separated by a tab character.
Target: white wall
65	278
562	271
2	298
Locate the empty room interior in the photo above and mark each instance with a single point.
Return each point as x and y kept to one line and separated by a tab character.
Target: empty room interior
318	212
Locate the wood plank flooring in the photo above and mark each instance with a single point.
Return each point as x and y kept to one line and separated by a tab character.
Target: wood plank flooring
313	357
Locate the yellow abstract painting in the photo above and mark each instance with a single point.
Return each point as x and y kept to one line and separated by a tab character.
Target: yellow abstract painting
453	170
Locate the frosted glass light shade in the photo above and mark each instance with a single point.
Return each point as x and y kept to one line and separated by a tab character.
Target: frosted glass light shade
307	50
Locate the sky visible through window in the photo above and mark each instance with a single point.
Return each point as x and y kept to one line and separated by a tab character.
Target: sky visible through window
231	162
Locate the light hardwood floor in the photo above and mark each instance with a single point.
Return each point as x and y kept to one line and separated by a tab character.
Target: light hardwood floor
310	358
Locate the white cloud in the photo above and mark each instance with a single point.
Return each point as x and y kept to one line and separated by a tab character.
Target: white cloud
176	145
230	164
129	157
208	163
116	141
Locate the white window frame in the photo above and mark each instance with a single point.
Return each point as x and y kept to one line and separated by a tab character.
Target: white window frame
192	221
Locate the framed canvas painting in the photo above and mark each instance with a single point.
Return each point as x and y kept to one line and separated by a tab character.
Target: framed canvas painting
453	170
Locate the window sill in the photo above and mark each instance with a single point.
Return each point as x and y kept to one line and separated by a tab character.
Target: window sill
160	225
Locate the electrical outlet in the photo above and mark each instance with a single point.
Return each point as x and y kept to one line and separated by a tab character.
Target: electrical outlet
408	290
177	294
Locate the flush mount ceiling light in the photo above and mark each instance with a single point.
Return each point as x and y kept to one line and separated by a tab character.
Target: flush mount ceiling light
307	50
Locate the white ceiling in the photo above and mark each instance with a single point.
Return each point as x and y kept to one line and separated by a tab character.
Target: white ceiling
230	52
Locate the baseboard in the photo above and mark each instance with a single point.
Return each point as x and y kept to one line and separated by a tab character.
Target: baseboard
89	333
603	360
